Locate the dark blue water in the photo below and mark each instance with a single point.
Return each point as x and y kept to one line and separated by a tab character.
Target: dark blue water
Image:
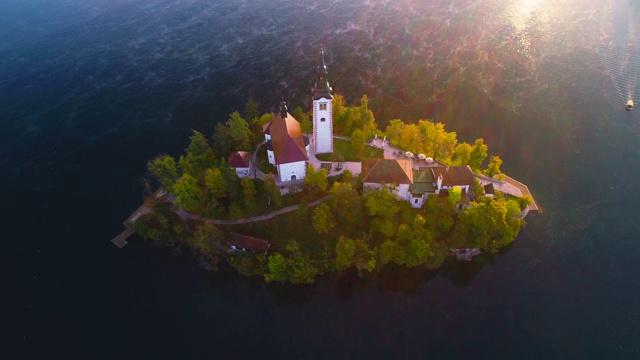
90	90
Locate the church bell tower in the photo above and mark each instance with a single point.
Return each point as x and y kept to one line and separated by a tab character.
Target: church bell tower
322	111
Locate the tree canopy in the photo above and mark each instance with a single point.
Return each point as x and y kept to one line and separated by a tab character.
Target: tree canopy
165	170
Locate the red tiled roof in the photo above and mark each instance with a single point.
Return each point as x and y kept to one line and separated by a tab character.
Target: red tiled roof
387	171
286	139
454	175
248	243
444	195
239	159
266	128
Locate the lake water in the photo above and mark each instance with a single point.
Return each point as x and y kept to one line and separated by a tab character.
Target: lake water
90	90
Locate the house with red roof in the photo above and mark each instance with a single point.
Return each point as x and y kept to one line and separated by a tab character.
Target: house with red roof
414	185
240	161
239	242
287	148
395	174
447	177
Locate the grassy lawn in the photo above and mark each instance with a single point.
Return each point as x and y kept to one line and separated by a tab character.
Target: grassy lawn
262	161
343	148
285	228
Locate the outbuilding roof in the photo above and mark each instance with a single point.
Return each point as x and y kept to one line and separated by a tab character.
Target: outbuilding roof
454	175
239	159
422	182
248	243
387	171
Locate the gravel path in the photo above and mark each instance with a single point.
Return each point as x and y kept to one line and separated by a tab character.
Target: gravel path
187	215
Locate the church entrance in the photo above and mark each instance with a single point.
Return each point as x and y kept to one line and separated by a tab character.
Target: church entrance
293	177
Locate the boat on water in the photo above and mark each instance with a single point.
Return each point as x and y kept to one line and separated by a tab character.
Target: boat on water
629	105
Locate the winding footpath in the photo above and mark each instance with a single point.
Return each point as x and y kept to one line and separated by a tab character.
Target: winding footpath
187	215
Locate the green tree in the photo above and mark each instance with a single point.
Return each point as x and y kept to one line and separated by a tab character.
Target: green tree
404	234
264	119
354	253
477	188
300	269
235	211
365	258
251	111
345	253
215	182
462	154
524	201
410	138
417	252
165	169
277	265
483	225
394	132
189	194
381	203
478	154
338	113
383	225
365	119
303	118
494	166
346	204
231	181
323	219
438	253
249	192
316	180
239	131
358	143
199	156
222	141
455	194
436	141
198	144
272	191
391	251
207	240
513	209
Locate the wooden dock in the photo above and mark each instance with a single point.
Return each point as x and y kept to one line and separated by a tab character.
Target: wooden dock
146	208
465	254
121	240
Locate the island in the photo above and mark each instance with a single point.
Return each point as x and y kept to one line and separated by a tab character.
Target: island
292	196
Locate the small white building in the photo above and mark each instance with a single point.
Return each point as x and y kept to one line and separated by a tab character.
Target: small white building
287	148
240	161
423	185
447	177
414	185
396	174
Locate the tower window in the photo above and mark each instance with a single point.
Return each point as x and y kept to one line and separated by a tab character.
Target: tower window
322	119
323	106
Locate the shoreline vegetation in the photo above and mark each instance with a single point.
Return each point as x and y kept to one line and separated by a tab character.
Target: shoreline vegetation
331	223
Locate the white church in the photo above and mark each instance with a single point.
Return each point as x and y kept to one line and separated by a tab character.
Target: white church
287	147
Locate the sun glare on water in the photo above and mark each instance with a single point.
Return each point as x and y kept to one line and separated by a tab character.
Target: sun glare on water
521	12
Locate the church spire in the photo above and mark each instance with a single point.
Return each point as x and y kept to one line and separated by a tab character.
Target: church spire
324	67
322	88
283	109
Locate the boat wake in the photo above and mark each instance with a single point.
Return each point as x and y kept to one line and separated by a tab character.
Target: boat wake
620	56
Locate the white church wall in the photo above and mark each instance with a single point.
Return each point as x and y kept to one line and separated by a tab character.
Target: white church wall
292	171
272	158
